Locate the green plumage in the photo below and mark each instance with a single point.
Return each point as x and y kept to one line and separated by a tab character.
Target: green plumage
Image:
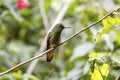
53	39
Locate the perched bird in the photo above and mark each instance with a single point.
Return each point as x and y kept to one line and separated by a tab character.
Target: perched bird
53	39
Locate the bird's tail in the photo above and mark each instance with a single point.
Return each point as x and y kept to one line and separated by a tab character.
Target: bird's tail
50	55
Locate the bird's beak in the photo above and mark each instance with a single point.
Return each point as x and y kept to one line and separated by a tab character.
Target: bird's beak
67	27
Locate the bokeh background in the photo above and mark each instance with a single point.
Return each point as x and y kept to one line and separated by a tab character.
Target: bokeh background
22	30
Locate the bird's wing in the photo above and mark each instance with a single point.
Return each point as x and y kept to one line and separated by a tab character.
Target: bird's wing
50	53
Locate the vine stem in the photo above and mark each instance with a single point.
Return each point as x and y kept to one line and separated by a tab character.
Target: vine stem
80	31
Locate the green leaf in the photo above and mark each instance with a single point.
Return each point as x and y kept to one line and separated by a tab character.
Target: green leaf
100	73
108	24
31	77
104	69
92	55
118	36
17	75
96	74
96	56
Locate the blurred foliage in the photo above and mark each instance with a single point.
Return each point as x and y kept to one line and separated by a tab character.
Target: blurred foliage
22	31
98	72
108	25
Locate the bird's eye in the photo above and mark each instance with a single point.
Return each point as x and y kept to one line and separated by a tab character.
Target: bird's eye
61	26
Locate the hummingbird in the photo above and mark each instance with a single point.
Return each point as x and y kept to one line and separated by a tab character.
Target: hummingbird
53	39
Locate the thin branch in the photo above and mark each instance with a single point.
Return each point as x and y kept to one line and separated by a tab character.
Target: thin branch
88	27
31	59
44	16
34	63
50	73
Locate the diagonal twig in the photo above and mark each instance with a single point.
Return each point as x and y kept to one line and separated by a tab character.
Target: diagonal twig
50	73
